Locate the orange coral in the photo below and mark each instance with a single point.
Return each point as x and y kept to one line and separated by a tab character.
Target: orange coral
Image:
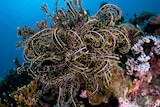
26	95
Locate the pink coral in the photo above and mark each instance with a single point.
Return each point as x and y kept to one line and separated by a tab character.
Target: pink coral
123	102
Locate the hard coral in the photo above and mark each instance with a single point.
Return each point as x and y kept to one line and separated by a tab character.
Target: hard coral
142	52
4	104
146	83
26	95
10	83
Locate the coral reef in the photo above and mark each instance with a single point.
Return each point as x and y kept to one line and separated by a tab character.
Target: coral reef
76	46
143	50
143	18
26	95
144	67
119	86
4	104
79	60
10	84
153	26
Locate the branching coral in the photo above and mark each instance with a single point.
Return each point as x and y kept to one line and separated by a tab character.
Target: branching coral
76	46
143	50
144	67
26	95
4	105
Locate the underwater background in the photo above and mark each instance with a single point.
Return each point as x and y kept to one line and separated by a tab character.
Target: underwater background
79	53
16	13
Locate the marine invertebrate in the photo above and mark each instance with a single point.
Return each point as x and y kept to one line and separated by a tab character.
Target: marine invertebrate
76	47
143	18
4	105
157	103
146	85
119	86
153	25
26	95
143	49
10	83
126	103
155	20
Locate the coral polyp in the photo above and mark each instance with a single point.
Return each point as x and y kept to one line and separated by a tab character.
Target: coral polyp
76	48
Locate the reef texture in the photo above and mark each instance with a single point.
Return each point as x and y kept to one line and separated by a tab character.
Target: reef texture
78	52
78	47
26	95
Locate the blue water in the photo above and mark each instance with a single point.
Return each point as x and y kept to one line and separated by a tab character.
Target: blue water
14	13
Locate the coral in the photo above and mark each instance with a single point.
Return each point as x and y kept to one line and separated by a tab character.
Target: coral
119	86
4	104
155	20
26	95
143	50
10	83
76	59
144	67
153	25
146	89
143	18
126	103
157	103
